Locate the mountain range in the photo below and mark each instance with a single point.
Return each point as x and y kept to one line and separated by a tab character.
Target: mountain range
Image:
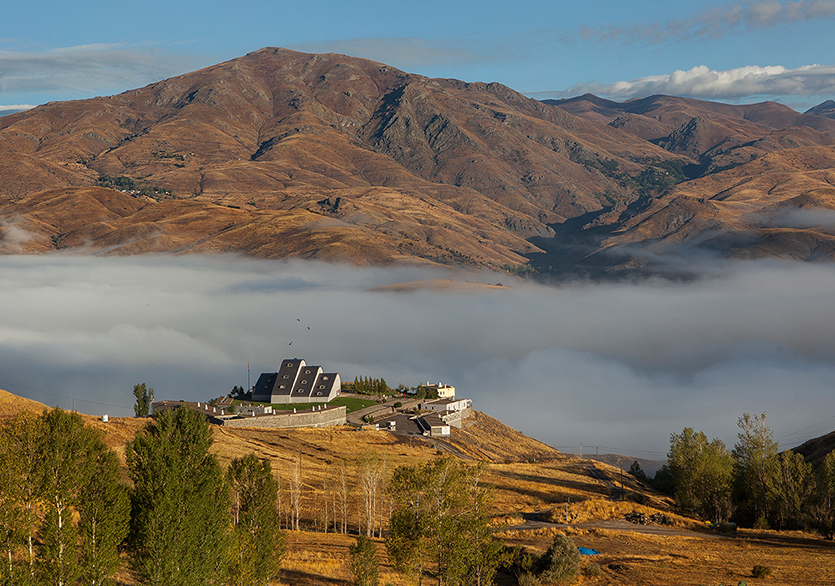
281	154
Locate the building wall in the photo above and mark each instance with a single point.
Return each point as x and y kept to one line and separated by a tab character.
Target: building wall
323	418
443	407
446	392
456	418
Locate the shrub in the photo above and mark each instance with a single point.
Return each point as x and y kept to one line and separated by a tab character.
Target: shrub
364	565
593	570
528	579
561	562
761	571
398	405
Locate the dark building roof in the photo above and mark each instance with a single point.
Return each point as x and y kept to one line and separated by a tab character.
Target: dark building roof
297	381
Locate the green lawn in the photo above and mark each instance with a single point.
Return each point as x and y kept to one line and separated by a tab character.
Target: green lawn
351	403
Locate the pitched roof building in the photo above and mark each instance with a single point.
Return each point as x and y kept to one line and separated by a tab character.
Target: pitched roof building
297	382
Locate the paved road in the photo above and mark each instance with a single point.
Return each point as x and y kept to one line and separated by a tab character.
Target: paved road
378	409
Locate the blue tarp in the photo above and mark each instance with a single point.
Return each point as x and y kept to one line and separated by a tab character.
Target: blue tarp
587	551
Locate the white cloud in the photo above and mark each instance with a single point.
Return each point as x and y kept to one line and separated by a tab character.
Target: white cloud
702	82
612	365
86	69
406	52
717	21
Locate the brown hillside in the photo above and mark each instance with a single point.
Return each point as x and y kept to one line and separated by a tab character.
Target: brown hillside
364	162
11	405
282	154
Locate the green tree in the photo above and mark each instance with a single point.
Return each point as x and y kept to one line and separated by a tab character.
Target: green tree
440	520
702	473
825	509
756	469
794	490
20	452
180	503
104	517
12	531
66	464
144	398
638	472
257	543
364	565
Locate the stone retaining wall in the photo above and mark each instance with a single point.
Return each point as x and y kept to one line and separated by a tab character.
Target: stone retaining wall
456	418
324	418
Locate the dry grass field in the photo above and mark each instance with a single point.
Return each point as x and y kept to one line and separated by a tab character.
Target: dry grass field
527	477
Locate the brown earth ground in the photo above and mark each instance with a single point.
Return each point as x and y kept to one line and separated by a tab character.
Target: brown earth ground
527	477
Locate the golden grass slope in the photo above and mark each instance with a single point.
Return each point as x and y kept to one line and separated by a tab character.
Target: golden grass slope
527	477
11	405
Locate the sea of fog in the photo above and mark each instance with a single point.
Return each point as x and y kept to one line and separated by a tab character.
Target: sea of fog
614	367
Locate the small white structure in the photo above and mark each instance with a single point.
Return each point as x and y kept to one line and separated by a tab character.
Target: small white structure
254	410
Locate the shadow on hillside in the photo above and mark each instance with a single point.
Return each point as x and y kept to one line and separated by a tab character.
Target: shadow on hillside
782	540
303	579
557	484
574	253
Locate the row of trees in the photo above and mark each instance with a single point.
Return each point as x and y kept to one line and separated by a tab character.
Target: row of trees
752	483
64	512
365	385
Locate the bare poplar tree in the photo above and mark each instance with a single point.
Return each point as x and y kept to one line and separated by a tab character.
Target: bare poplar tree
343	492
382	488
279	503
369	471
295	480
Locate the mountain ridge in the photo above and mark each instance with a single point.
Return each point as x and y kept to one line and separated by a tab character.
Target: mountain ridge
282	154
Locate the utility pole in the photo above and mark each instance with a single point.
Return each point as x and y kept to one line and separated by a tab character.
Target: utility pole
621	477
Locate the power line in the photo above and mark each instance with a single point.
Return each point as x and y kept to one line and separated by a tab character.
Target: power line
625	451
805	428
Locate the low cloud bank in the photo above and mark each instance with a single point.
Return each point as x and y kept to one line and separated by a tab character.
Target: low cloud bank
619	366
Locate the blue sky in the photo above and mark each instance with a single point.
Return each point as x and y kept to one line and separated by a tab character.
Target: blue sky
728	51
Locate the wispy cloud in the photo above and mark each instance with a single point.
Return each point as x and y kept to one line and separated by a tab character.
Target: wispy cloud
717	21
703	82
414	52
86	69
614	365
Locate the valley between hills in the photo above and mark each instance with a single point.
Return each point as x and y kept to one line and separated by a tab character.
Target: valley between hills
538	492
280	154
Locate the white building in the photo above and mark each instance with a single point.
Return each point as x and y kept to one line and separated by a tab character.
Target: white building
444	406
297	382
444	391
